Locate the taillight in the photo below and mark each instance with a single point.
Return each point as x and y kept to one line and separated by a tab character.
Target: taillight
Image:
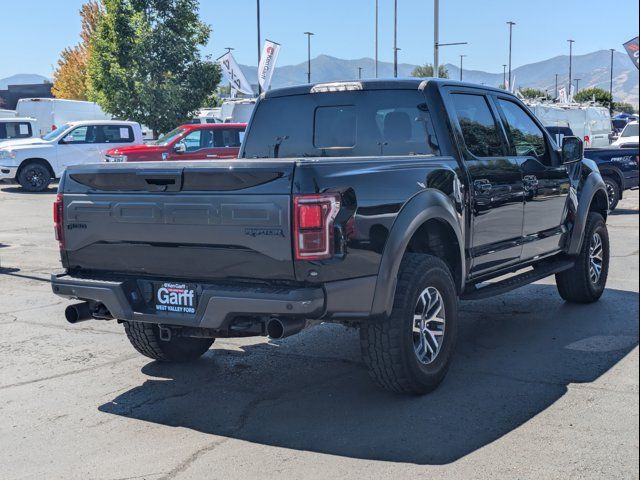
313	217
58	220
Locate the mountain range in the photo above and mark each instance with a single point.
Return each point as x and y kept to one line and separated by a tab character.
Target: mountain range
591	69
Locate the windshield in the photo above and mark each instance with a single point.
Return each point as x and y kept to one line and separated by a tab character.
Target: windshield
630	130
57	132
342	124
167	138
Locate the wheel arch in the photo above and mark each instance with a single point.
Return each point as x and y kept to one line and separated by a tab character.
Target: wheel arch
42	161
593	198
615	175
428	223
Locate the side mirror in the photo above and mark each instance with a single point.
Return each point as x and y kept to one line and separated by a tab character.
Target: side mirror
67	139
180	147
572	150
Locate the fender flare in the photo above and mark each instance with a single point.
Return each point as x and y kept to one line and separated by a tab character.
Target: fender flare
428	205
592	185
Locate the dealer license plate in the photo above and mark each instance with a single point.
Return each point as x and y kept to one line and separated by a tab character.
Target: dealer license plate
175	297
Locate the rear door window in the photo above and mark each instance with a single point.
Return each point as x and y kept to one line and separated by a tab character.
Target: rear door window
116	133
15	130
226	137
479	128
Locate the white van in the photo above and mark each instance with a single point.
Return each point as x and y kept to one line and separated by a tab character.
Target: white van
16	128
35	162
50	113
237	111
592	124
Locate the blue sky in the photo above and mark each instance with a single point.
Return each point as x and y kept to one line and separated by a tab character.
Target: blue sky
39	29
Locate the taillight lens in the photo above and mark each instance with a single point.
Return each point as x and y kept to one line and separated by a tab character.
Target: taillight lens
58	220
313	217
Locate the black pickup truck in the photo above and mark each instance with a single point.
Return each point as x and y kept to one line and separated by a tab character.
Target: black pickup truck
375	204
618	166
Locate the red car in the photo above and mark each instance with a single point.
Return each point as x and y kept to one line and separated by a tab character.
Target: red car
187	142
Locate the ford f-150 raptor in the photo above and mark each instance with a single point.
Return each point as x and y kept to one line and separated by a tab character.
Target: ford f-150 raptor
377	204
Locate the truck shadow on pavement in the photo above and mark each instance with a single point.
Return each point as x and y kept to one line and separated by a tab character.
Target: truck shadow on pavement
517	355
11	188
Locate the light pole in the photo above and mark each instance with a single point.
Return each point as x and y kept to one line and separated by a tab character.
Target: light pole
375	68
461	57
556	86
259	51
571	42
611	84
436	37
308	34
511	24
577	80
229	50
504	76
359	73
395	39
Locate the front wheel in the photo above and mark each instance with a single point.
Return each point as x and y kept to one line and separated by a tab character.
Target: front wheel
585	282
613	192
34	177
145	338
410	351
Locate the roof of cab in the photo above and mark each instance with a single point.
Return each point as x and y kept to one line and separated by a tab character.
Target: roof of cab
411	83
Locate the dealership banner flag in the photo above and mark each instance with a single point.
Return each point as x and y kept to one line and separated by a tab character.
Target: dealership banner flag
632	49
233	73
268	63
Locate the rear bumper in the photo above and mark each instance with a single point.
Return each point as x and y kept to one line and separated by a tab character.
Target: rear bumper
8	173
219	305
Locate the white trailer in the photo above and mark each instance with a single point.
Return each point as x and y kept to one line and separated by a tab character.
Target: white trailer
51	113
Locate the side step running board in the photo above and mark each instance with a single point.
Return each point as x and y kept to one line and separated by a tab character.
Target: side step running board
511	283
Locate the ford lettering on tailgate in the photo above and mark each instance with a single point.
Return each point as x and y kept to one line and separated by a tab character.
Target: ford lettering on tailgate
176	298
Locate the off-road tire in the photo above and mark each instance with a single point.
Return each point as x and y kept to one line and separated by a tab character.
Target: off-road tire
613	192
34	177
387	345
575	285
145	338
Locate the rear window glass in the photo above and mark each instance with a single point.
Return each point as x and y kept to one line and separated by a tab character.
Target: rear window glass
117	134
15	130
342	124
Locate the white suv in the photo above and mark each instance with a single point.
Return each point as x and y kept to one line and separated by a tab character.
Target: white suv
34	163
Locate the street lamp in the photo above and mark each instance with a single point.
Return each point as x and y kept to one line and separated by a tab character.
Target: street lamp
461	57
375	67
556	86
308	34
395	39
611	84
436	39
359	73
511	24
504	76
571	42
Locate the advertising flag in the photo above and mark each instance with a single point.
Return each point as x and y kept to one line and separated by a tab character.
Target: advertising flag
268	61
233	73
633	49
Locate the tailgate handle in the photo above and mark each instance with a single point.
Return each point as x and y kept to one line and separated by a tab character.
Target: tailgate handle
162	181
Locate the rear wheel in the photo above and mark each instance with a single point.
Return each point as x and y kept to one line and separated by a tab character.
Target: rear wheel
410	351
34	177
613	192
585	282
145	338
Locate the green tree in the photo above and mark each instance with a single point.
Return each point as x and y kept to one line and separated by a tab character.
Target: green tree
588	94
426	70
532	93
145	62
624	107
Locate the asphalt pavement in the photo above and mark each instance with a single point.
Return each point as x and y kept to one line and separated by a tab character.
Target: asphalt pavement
539	389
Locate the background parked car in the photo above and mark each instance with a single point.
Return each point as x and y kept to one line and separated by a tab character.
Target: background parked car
628	138
34	163
618	166
187	142
16	129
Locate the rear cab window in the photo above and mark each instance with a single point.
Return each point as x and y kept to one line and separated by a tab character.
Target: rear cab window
15	130
342	124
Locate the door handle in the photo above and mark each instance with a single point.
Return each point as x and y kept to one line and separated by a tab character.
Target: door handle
212	156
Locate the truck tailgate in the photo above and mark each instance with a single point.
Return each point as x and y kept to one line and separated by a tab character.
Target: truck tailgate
199	220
